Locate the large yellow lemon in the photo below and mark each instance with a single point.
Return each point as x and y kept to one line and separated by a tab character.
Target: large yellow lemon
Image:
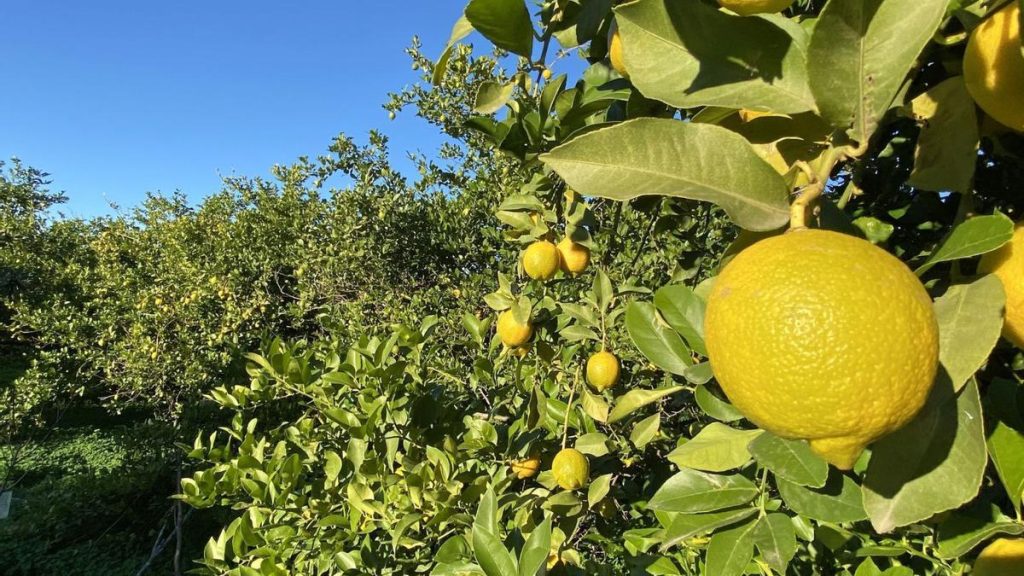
1004	557
512	333
615	53
822	336
526	468
1007	263
994	67
541	260
748	7
575	257
602	370
571	469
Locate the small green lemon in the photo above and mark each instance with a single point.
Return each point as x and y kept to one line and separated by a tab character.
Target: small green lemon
602	371
571	469
541	260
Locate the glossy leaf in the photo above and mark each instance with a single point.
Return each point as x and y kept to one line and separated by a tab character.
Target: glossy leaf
647	156
655	339
684	312
839	500
970	320
976	236
775	539
933	464
506	23
947	148
730	551
692	491
1006	436
791	460
686	526
716	448
635	399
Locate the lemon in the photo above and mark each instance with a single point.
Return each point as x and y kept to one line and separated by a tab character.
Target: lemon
526	468
822	336
570	469
1004	557
575	257
1007	263
602	371
512	333
615	53
546	74
541	260
748	7
994	67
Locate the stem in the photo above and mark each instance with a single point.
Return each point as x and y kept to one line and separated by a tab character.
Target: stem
568	407
800	208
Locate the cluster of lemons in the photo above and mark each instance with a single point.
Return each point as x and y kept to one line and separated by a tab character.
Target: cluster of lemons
541	261
825	337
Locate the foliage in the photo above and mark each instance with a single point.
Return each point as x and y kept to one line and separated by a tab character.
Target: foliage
330	470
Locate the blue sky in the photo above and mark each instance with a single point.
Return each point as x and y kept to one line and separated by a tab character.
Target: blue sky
116	98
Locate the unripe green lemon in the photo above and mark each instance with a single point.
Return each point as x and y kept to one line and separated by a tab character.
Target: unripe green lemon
602	371
541	260
1007	263
571	469
994	67
821	336
526	468
1004	557
512	333
748	7
575	257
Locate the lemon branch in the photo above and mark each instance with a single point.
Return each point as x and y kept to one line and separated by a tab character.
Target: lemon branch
801	207
568	407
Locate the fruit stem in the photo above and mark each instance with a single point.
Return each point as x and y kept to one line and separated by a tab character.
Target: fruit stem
800	208
568	407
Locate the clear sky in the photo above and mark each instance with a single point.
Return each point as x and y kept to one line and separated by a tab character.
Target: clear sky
119	97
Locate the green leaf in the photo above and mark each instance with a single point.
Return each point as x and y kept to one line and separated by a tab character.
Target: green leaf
1006	436
491	554
461	29
970	320
976	236
775	538
855	64
959	533
714	406
839	500
868	568
594	405
645	430
598	489
685	526
692	491
684	312
603	290
655	339
658	157
690	54
594	444
933	464
535	552
947	149
791	460
506	23
635	399
716	448
492	96
730	551
487	514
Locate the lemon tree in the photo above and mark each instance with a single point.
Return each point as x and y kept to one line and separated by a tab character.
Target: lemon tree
762	264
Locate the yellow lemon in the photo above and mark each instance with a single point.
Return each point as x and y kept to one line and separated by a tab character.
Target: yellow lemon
748	7
825	337
1004	557
602	371
994	67
571	469
526	468
512	333
1007	263
615	52
575	257
541	260
546	74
